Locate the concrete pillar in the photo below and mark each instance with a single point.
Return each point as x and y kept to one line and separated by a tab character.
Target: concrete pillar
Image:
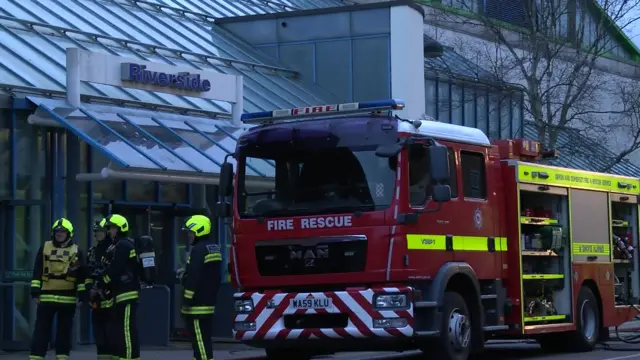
407	60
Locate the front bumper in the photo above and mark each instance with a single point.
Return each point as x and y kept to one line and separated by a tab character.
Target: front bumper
351	315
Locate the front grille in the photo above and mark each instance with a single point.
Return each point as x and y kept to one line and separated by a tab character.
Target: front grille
312	256
316	321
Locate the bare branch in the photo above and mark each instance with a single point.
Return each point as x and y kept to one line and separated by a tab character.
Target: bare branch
550	48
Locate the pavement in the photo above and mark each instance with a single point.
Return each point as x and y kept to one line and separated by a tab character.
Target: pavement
495	350
502	350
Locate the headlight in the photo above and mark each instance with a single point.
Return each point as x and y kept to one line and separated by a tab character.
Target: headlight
390	301
243	305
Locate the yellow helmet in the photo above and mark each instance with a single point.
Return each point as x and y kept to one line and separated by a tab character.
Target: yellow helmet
200	225
63	224
119	221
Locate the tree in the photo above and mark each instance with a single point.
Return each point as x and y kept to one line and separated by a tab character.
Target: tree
552	49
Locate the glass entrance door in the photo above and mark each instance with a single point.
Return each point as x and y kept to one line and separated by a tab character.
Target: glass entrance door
22	233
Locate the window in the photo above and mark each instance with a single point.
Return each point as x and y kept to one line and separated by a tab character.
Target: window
5	158
315	178
453	174
430	98
456	105
444	102
473	175
419	177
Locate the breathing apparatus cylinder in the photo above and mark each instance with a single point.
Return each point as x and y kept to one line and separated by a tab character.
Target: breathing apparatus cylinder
146	259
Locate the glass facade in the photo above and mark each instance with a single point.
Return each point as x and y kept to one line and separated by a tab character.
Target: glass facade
5	156
38	184
498	114
24	215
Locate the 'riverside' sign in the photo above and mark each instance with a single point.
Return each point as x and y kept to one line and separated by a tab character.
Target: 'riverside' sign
182	80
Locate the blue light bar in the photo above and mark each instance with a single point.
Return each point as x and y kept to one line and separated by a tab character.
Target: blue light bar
322	110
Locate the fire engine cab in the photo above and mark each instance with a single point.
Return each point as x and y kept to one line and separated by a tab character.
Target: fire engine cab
377	232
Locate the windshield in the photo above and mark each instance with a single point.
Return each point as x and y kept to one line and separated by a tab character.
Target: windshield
322	180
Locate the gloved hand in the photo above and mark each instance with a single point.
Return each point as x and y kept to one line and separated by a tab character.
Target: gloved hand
180	273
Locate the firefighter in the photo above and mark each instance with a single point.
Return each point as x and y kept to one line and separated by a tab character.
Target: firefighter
122	280
100	302
201	281
58	282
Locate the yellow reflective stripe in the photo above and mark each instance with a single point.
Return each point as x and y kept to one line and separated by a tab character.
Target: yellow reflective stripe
545	318
106	279
470	243
34	357
587	249
127	330
548	175
81	287
88	282
132	253
537	221
106	303
35	283
189	259
196	326
426	242
127	296
228	278
57	299
61	357
212	257
460	243
543	276
188	294
198	310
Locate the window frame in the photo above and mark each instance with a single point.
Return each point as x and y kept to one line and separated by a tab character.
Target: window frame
484	192
453	174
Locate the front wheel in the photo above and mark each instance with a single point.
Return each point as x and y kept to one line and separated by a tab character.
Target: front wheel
454	342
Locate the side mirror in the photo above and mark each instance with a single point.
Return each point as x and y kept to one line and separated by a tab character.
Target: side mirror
226	179
439	163
388	151
441	193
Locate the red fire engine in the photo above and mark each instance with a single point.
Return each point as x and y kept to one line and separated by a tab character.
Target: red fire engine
356	229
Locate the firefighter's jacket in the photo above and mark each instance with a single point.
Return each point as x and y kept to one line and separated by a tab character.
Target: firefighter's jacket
98	258
122	276
201	280
59	274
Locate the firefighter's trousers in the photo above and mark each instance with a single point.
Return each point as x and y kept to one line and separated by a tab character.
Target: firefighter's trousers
99	323
42	331
123	331
200	328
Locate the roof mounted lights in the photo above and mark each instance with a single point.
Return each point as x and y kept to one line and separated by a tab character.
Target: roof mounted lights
322	111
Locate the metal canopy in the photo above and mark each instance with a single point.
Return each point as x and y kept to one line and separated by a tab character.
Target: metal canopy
151	146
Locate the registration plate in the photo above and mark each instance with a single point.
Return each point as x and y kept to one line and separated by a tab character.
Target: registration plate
311	303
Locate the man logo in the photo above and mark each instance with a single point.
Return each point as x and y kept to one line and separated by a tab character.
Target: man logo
309	255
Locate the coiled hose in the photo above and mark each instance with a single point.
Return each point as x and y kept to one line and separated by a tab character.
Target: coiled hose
631	337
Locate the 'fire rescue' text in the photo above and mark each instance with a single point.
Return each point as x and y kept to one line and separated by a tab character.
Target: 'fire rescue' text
310	223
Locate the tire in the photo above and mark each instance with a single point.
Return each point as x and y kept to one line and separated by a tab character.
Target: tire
454	342
588	327
281	354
